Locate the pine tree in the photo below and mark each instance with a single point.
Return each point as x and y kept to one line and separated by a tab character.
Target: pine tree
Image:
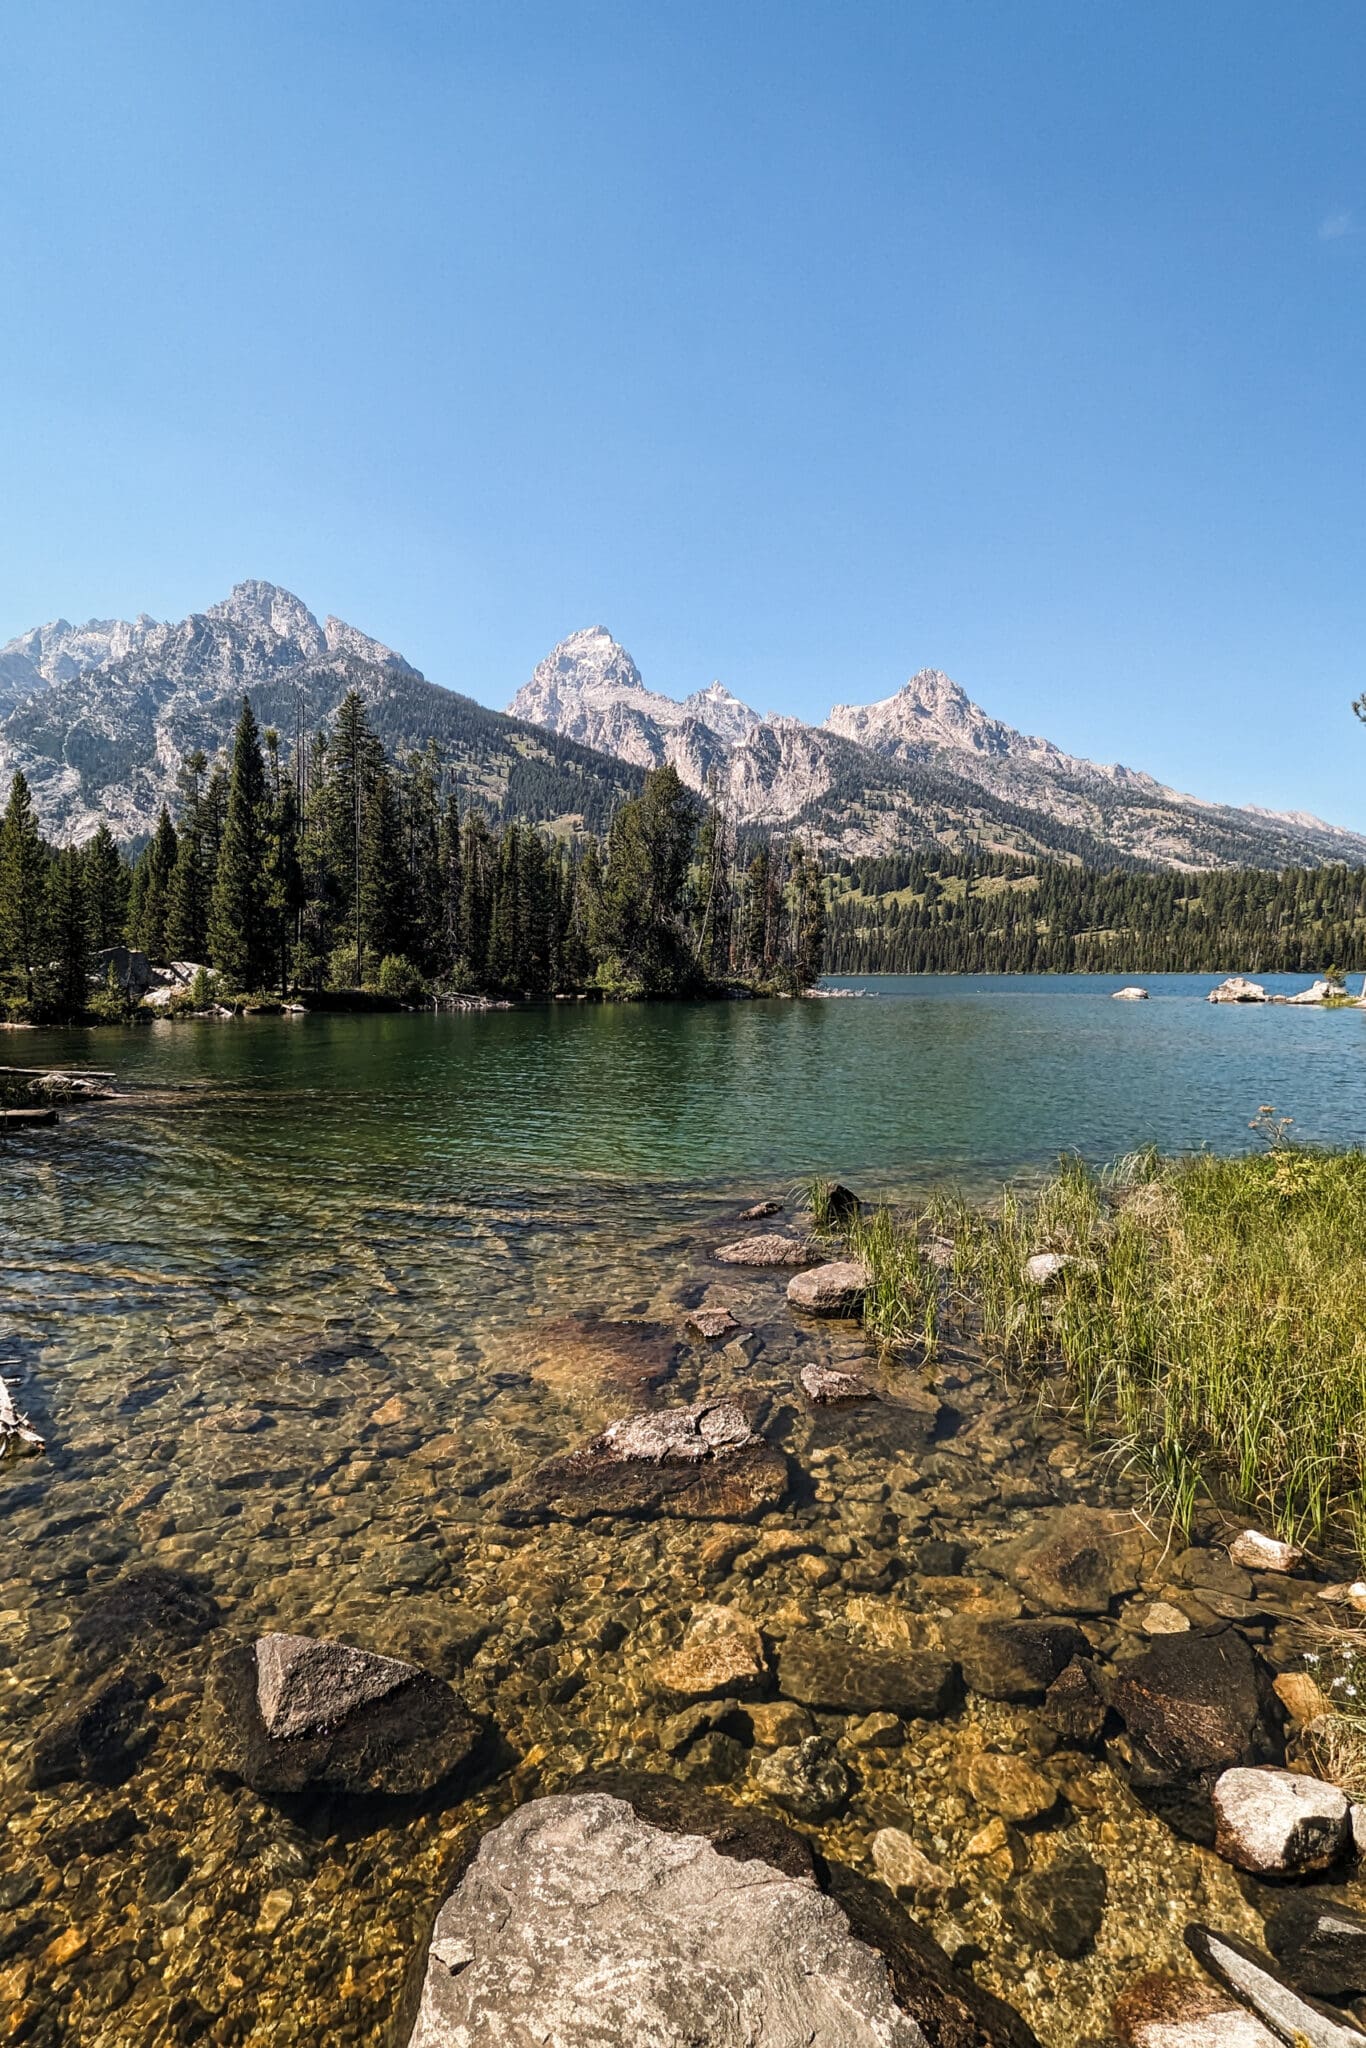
23	878
241	942
106	890
151	896
68	926
187	902
383	874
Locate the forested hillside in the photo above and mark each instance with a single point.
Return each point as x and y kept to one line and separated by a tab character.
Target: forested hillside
925	913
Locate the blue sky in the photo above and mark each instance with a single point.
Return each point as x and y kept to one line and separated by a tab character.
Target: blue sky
801	345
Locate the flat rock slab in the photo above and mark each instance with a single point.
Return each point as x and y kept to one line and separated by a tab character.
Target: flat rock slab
594	1351
25	1119
1160	2010
840	1678
413	1737
703	1463
581	1923
711	1322
769	1249
828	1387
838	1288
1076	1559
308	1683
722	1654
1289	2016
1015	1660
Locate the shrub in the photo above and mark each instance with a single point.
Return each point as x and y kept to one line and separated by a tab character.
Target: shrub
400	979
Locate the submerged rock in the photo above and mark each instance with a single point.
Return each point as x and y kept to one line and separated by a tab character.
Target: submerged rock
1010	1786
808	1779
580	1921
836	1289
758	1211
721	1653
1061	1907
828	1387
904	1868
837	1677
1319	1944
102	1738
704	1463
362	1724
770	1250
1015	1660
148	1609
1279	1823
1073	1706
1194	1706
1075	1560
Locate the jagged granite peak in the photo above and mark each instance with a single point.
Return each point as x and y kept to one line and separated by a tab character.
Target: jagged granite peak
101	736
923	765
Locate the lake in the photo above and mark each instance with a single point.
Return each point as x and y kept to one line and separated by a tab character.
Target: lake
295	1309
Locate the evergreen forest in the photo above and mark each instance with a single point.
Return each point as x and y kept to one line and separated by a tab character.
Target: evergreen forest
937	912
333	867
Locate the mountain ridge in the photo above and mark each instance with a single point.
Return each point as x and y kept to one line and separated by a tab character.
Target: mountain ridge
100	715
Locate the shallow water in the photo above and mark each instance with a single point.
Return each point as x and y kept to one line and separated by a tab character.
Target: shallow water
294	1310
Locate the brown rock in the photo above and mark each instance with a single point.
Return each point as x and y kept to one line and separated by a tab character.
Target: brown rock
722	1654
830	1388
836	1289
703	1463
1009	1786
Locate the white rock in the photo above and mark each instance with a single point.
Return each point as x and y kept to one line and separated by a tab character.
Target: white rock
1237	989
1319	992
1278	1823
1130	995
1258	1553
1043	1268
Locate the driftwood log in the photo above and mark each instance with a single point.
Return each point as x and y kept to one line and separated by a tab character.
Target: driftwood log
16	1432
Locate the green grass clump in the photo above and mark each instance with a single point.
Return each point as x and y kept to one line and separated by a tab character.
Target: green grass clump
1211	1319
902	1304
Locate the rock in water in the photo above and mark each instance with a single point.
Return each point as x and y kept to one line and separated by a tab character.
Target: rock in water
904	1868
1015	1660
1195	1706
837	1289
1163	2011
703	1463
1319	1944
579	1923
1075	1560
1279	1823
1290	2017
828	1387
1237	989
582	1923
711	1322
808	1779
1061	1906
838	1678
305	1683
1130	995
770	1250
389	1735
721	1654
757	1211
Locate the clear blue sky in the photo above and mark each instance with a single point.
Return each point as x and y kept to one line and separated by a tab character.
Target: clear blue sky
802	345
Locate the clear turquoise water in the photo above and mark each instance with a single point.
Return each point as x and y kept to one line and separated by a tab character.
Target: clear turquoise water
214	1290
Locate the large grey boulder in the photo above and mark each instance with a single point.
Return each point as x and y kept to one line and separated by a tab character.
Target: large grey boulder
1238	989
581	1923
304	1683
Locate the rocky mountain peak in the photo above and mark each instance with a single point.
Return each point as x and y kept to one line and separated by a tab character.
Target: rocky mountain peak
264	607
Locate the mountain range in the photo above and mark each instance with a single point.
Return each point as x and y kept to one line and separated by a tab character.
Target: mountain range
99	717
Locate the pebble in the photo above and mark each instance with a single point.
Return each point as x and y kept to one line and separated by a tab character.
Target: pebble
1009	1786
1162	1619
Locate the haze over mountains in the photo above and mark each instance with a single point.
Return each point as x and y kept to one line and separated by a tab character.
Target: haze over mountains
100	716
